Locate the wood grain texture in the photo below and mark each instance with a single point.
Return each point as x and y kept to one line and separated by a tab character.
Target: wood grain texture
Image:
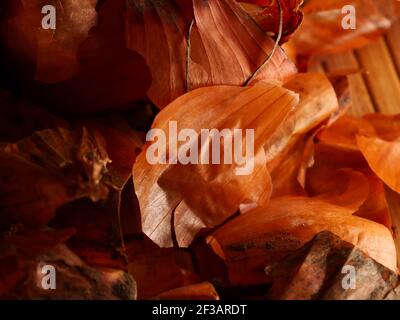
393	42
347	64
381	76
374	80
361	100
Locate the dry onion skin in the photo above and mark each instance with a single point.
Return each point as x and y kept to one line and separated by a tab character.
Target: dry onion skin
80	110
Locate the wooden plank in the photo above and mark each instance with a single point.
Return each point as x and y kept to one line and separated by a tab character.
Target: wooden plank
346	63
341	63
393	42
361	102
381	76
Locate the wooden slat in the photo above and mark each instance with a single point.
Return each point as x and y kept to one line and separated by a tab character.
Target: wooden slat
381	76
361	103
346	63
341	63
393	41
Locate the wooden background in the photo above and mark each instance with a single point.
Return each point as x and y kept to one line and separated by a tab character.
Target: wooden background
375	87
